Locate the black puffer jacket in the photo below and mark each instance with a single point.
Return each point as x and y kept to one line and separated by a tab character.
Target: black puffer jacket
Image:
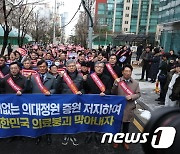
176	90
62	87
91	87
117	69
19	80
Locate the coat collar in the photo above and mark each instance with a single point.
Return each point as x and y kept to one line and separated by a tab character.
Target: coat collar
129	80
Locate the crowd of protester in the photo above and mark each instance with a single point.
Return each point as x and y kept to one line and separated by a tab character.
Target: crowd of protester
31	67
165	68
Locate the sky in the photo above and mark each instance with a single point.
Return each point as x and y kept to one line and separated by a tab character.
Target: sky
69	6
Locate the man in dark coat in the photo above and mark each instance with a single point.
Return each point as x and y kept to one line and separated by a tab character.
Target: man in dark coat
85	68
117	69
155	61
162	77
139	51
14	82
9	49
64	88
146	64
92	88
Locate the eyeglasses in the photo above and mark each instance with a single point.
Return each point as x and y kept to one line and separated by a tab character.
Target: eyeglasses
101	67
71	66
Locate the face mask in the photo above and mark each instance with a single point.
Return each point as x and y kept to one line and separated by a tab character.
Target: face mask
57	63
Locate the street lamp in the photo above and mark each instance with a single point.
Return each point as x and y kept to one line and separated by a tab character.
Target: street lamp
55	18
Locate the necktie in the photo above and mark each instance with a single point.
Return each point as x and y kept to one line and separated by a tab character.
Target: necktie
42	78
127	81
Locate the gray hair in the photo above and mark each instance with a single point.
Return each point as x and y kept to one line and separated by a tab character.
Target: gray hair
70	61
98	62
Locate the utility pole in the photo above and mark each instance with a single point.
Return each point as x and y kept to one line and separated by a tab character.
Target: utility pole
90	31
114	17
54	25
59	17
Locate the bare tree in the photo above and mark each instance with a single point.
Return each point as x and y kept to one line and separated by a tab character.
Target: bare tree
81	30
40	28
22	17
7	9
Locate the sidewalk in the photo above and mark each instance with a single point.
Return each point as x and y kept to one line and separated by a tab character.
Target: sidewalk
146	103
148	95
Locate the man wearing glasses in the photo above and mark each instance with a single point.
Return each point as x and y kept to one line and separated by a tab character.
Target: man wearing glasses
70	82
97	83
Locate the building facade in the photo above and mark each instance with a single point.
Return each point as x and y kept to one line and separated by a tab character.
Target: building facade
169	18
138	17
63	22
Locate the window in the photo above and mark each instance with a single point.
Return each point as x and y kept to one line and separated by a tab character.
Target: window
126	22
126	15
101	6
101	12
127	8
125	29
128	1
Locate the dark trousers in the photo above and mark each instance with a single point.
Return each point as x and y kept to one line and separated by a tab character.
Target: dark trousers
125	127
145	68
162	90
138	56
69	135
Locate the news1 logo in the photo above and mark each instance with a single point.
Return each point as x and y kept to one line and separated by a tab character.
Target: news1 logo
163	137
167	135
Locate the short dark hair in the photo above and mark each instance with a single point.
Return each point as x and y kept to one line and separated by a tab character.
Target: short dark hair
4	57
102	53
86	64
52	66
89	53
81	54
127	65
177	65
17	63
165	55
156	50
148	47
64	52
112	55
79	51
41	62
